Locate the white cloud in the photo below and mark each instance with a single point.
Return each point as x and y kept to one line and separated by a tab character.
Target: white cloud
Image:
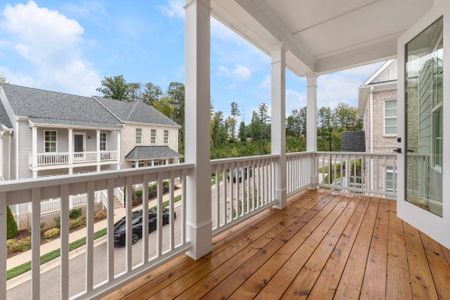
238	71
343	86
51	43
173	9
294	100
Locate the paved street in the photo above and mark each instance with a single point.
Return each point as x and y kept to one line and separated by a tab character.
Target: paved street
50	288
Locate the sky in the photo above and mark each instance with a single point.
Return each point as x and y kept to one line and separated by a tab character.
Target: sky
69	46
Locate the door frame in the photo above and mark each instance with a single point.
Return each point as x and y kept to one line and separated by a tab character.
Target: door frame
436	227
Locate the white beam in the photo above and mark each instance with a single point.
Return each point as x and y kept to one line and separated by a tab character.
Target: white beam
278	128
197	110
119	152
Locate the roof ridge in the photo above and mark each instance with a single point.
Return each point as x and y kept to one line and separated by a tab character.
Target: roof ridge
133	109
104	106
43	90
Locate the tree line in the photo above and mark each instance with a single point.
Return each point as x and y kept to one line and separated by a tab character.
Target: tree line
228	139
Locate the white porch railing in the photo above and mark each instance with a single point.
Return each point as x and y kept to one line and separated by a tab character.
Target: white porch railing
243	186
34	190
300	171
62	158
358	172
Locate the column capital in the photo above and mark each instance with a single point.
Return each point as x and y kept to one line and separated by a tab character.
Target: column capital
311	80
204	3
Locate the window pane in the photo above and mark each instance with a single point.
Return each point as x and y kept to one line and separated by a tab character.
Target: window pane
424	119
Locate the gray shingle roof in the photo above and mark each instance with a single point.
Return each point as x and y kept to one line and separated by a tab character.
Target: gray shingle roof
136	111
4	118
58	108
151	152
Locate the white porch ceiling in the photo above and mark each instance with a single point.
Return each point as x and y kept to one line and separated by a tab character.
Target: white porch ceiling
323	35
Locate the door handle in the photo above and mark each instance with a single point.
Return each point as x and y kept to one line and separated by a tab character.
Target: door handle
398	150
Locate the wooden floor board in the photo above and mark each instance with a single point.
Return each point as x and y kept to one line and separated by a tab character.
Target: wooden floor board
321	246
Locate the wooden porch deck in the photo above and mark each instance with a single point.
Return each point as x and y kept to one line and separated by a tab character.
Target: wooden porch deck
321	246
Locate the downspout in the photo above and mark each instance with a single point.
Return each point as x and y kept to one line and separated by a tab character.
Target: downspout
17	149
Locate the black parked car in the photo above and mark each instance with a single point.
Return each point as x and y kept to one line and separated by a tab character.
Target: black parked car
238	174
136	226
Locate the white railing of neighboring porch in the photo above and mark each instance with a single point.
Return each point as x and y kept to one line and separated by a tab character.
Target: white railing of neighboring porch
62	158
358	172
35	190
243	186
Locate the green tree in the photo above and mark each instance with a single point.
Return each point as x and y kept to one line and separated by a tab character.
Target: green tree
152	93
135	91
115	87
242	132
296	123
234	114
165	106
175	92
11	225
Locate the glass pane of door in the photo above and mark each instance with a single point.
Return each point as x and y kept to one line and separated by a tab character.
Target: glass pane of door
78	143
424	118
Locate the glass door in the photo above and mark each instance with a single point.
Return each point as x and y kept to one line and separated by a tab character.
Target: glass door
423	191
423	119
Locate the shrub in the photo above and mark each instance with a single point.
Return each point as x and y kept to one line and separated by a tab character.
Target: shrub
100	215
57	221
77	223
75	213
11	225
19	245
51	233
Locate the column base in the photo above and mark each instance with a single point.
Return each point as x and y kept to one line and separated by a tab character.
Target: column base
282	199
200	238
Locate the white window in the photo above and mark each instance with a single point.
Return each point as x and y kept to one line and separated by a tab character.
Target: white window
391	179
153	136
138	135
390	117
102	141
50	141
166	136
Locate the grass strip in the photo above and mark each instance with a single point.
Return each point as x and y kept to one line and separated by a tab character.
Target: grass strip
25	267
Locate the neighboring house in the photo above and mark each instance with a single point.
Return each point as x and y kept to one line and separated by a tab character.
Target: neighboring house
144	143
378	106
46	133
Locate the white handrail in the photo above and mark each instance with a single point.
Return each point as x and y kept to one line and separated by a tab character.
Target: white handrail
66	186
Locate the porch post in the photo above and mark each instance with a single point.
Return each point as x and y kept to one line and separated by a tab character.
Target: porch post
311	123
98	150
34	149
119	153
197	110
70	139
278	128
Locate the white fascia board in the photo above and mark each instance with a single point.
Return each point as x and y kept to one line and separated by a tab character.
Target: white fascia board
152	124
73	126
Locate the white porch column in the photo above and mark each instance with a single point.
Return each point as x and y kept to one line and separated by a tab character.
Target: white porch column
119	153
311	123
98	150
34	149
278	134
70	140
197	109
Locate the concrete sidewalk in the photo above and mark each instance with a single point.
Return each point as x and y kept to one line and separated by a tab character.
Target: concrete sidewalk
55	244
